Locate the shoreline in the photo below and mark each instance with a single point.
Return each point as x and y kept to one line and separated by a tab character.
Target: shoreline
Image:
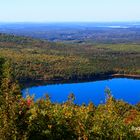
32	83
126	76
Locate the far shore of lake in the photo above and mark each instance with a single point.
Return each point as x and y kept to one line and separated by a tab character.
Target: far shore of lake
39	82
126	75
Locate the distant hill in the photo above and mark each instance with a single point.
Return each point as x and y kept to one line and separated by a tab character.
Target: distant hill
77	32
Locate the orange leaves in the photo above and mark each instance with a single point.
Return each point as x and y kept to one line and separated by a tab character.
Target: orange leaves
132	114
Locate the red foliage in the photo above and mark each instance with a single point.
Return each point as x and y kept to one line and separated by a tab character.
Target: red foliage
132	115
29	101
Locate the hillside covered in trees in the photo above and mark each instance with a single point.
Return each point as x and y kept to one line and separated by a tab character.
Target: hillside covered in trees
35	60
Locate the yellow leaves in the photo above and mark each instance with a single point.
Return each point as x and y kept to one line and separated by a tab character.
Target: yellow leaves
49	126
33	112
85	122
20	112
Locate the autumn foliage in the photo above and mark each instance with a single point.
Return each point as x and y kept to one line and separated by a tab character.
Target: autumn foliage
24	119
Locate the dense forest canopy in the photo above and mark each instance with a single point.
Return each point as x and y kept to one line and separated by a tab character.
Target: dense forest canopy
40	60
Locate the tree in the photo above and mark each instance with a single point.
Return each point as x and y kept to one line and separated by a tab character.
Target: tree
8	102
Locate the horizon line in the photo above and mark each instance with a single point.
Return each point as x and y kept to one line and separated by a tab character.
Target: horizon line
69	21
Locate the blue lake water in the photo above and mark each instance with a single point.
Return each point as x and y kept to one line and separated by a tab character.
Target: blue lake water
121	88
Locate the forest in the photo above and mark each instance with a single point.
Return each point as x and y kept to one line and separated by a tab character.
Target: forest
35	60
28	61
24	119
69	69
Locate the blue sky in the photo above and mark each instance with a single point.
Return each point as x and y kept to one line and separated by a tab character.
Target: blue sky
69	10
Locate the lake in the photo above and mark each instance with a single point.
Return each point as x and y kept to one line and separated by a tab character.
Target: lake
121	88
